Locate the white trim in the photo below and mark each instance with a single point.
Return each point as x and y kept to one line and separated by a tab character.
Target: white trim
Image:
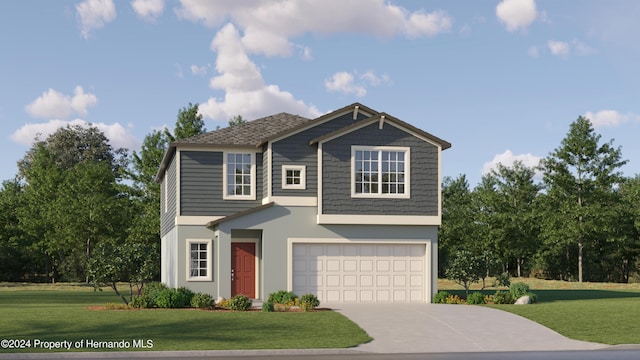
379	219
380	194
314	123
258	250
429	269
209	243
251	196
381	122
269	171
178	172
303	177
320	195
355	112
295	200
195	220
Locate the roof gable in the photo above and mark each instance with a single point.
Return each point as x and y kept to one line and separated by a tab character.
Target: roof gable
383	118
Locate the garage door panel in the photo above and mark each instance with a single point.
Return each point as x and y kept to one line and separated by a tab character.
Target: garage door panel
363	272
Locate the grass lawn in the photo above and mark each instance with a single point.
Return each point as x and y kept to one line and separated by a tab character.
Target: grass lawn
58	313
597	312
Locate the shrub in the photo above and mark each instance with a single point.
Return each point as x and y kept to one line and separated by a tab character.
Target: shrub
114	306
502	297
239	303
224	303
268	307
184	297
149	294
140	302
202	301
532	297
440	297
475	298
309	302
174	298
518	289
454	299
283	297
503	279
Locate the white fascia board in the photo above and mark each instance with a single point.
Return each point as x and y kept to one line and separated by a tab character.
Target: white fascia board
295	200
379	219
196	220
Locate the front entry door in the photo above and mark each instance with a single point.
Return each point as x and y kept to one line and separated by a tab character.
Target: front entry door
243	269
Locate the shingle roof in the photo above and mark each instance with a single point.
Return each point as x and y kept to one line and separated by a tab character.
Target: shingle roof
252	133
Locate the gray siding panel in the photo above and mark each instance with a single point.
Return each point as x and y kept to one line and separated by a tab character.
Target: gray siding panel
336	180
167	219
201	185
295	150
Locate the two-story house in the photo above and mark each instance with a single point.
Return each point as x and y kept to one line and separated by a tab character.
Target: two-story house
345	206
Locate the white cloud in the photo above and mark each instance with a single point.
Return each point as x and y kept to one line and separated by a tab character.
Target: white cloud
559	48
200	70
53	104
507	158
118	135
610	118
148	9
517	14
94	14
346	83
246	93
267	26
582	49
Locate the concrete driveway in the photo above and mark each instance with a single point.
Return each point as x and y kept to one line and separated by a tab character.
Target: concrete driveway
434	328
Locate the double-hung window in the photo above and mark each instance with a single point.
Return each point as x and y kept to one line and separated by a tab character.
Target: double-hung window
239	176
380	172
199	261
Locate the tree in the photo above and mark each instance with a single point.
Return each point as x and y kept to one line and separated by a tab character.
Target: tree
130	262
465	268
458	226
188	123
579	179
515	213
237	120
71	197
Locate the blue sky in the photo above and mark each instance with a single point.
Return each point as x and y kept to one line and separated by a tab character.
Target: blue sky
500	80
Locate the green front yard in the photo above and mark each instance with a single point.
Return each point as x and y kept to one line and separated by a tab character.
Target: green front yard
62	313
598	312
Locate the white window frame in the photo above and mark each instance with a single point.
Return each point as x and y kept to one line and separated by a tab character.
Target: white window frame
209	243
303	177
379	194
227	196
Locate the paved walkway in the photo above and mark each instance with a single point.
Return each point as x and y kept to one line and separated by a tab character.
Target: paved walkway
434	328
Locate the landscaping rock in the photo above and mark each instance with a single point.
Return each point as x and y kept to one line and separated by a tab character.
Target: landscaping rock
523	300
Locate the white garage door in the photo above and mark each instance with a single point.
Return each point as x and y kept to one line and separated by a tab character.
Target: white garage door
360	272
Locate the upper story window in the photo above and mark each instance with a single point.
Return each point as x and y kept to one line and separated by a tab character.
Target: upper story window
294	177
239	176
380	171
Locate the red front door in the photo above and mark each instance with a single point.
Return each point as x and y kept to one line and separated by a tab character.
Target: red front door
243	269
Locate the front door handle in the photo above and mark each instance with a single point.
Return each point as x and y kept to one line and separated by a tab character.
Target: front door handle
232	275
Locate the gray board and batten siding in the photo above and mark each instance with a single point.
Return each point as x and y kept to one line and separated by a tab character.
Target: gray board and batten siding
336	175
201	185
295	150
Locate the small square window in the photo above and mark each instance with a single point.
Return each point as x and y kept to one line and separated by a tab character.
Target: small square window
294	177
